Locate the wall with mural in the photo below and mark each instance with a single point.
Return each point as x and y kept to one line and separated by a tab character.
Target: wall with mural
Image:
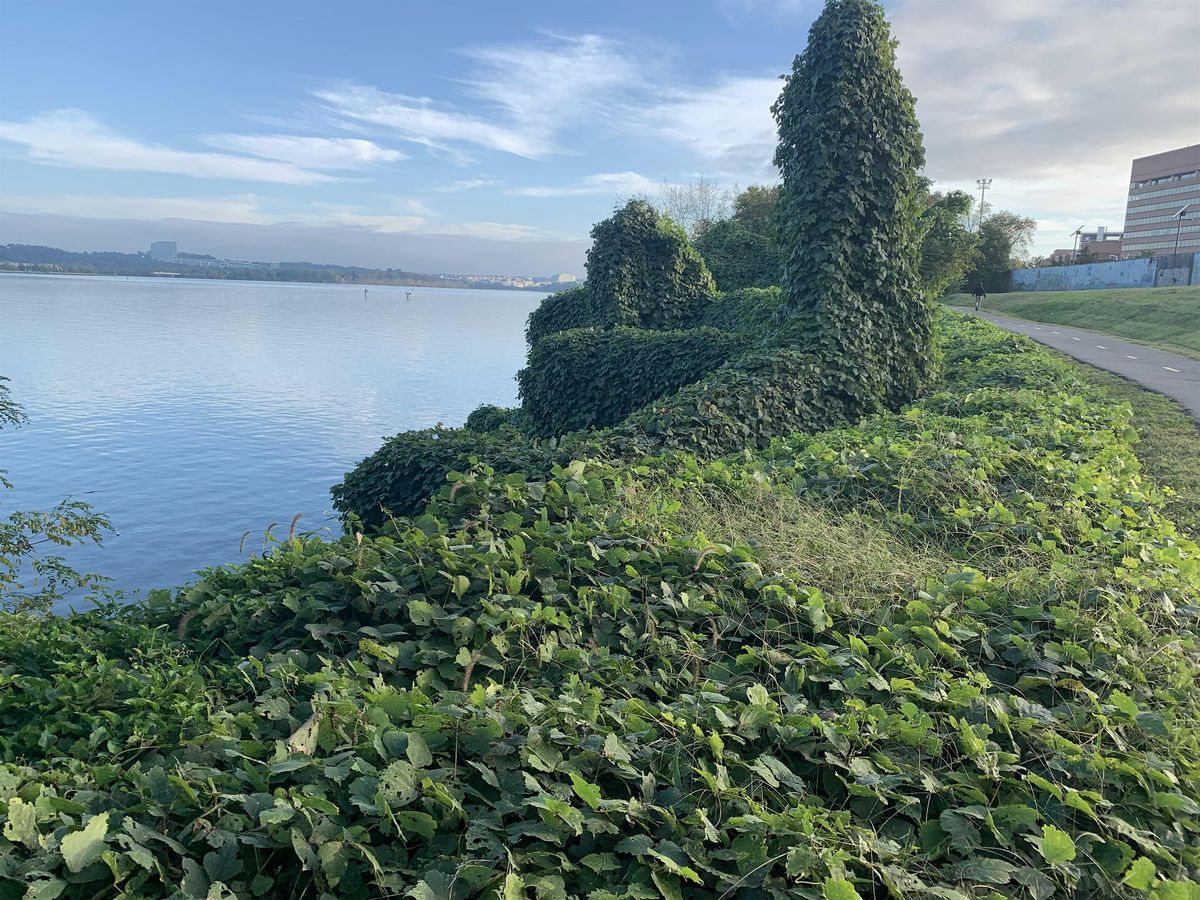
1158	271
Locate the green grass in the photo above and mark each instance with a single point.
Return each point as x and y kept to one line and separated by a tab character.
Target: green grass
1168	318
1170	444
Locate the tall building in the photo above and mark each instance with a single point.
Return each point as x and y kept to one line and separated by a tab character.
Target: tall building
163	250
1159	187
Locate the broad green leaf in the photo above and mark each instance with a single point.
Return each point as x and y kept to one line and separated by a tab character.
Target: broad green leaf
1141	874
839	889
21	826
82	848
418	751
586	791
1057	846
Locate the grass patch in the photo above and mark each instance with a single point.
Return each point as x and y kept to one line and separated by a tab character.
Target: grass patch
1168	318
788	534
1170	444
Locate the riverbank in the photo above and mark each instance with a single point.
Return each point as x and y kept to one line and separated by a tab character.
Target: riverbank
958	639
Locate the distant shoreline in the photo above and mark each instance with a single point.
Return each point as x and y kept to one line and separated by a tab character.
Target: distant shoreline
364	281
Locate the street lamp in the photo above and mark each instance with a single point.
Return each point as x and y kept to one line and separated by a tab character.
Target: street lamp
984	184
1078	231
1179	217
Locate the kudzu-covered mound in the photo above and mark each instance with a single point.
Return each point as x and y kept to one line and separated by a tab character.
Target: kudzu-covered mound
589	377
557	688
738	257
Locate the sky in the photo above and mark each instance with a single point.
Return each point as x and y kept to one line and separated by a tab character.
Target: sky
487	137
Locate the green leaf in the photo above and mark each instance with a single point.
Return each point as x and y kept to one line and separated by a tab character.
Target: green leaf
21	826
1056	846
418	751
82	848
1141	874
44	889
514	887
586	791
839	889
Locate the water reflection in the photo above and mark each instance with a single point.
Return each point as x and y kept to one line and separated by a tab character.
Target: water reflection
192	411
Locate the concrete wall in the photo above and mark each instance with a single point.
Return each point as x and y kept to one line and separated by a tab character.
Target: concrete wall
1126	273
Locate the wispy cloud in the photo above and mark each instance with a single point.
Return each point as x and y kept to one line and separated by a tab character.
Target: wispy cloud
399	216
74	139
467	184
307	152
529	93
727	124
241	208
619	183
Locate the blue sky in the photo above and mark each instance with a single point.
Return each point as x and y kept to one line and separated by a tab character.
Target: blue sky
489	136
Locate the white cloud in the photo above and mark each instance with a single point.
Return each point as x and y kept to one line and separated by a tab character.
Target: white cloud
237	208
307	152
74	139
467	184
411	218
727	124
620	183
1026	88
1051	101
531	93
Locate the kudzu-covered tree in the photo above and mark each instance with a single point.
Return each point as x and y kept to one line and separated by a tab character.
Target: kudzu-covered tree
642	271
849	154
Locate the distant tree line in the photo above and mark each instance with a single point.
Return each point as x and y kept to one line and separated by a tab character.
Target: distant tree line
35	258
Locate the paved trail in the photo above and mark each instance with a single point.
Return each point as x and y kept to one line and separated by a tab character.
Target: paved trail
1167	373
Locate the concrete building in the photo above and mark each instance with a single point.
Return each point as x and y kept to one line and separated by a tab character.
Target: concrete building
1159	187
1100	245
564	278
163	250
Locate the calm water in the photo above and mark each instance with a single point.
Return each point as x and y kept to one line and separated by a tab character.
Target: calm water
191	411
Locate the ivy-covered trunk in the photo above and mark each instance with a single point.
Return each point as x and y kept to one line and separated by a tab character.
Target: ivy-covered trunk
849	153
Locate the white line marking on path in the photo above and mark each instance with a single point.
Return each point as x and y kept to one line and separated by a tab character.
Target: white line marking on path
1169	369
1127	356
1056	332
1101	346
1074	339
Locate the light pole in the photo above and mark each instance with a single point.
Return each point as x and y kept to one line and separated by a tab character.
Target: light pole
1075	246
1179	217
984	184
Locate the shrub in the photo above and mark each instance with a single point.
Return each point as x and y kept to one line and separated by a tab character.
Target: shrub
400	477
739	258
642	271
592	378
490	418
754	311
849	151
572	308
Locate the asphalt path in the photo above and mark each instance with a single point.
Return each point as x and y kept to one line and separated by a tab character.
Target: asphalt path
1178	377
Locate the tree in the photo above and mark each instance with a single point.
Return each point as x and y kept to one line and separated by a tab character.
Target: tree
642	271
1004	238
948	247
695	204
738	257
849	152
30	580
757	210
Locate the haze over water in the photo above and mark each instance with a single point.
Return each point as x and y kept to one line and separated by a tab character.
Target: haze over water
191	411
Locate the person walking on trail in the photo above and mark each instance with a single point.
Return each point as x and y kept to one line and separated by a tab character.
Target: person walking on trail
980	295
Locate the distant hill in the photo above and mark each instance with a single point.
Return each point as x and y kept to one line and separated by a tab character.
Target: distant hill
35	258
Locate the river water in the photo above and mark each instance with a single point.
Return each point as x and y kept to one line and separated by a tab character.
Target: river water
193	411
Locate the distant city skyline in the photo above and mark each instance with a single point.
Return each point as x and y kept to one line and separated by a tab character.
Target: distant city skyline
489	137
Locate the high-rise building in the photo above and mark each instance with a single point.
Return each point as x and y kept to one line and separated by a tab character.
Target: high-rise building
1160	186
163	250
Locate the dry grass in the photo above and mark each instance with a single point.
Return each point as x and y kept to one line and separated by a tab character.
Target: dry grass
851	558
